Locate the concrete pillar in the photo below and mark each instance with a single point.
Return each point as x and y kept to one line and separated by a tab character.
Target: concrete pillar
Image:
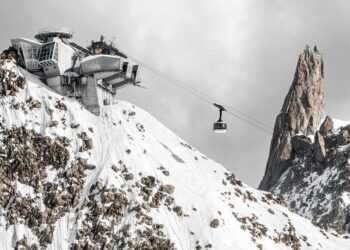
56	84
89	95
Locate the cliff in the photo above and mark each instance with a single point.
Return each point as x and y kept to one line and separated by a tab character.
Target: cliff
301	113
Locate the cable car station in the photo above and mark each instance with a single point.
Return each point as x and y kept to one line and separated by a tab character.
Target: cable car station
92	75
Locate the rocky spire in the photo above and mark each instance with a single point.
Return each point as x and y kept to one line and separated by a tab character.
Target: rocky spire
301	113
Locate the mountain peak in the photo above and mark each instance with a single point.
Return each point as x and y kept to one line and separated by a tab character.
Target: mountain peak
304	104
308	165
301	113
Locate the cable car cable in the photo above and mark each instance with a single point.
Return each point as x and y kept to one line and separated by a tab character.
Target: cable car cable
151	68
200	94
186	89
226	105
252	124
229	112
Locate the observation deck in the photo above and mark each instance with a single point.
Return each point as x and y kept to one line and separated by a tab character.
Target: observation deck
61	32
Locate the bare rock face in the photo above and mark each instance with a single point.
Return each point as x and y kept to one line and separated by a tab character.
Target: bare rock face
301	144
319	147
10	81
301	113
311	176
317	182
326	126
343	137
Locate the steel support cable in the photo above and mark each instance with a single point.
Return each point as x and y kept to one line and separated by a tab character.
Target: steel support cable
252	124
185	88
200	95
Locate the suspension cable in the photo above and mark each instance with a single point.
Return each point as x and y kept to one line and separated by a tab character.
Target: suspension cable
205	97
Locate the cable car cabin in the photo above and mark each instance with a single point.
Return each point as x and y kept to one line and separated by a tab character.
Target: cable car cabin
220	126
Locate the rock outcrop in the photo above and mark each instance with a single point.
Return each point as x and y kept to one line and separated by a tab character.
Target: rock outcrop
319	147
317	182
301	113
309	163
326	126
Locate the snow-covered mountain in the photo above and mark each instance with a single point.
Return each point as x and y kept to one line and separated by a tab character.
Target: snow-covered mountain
73	180
309	161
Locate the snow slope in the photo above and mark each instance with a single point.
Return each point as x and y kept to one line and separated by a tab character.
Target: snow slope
203	206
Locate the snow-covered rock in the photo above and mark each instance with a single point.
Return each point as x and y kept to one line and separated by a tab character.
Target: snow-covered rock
121	180
308	165
317	182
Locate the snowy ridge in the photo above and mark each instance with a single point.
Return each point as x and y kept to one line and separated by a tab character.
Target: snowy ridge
160	188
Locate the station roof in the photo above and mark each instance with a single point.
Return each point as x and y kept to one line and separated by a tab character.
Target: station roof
61	32
21	39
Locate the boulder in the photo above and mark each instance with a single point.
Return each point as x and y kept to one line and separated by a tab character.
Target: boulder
214	223
148	181
128	177
88	143
60	105
73	125
169	189
53	124
90	166
35	104
166	172
178	210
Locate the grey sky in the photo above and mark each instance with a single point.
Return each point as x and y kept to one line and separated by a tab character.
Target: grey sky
241	52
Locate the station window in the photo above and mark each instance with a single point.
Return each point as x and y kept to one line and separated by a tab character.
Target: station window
29	51
48	52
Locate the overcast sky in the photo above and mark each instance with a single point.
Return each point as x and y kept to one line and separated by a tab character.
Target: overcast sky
241	52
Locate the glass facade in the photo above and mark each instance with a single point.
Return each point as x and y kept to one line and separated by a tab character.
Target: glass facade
55	54
29	53
48	51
